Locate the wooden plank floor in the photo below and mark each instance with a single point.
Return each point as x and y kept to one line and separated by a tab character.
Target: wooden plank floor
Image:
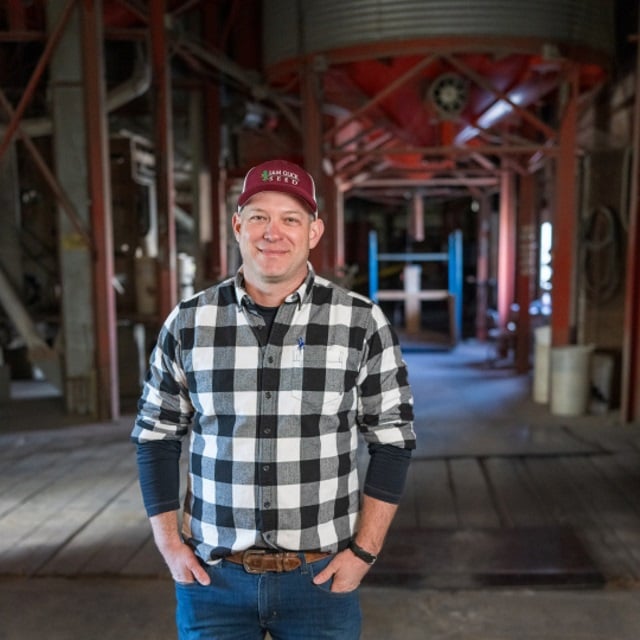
591	495
70	503
76	511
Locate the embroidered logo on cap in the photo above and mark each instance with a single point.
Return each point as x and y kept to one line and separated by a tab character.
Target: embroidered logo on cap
280	175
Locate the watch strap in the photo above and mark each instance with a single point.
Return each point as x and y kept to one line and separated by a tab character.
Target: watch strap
359	552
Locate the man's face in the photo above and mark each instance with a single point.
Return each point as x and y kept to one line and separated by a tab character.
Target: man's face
275	233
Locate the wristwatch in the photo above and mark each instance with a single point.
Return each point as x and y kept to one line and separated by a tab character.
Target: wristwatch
359	552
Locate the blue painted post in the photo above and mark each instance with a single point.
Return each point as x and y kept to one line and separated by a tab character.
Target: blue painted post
455	277
373	266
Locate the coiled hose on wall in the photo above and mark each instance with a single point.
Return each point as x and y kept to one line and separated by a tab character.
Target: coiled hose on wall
602	254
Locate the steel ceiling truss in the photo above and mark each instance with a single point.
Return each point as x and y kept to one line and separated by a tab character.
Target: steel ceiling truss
365	157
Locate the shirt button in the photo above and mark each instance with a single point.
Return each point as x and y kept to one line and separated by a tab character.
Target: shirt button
270	359
266	467
267	504
268	395
266	431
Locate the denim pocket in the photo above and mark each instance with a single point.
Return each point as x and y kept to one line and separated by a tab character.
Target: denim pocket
315	568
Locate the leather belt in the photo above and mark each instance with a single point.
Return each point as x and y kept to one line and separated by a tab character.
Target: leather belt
263	560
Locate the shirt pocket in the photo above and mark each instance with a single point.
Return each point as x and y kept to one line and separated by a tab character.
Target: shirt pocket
318	378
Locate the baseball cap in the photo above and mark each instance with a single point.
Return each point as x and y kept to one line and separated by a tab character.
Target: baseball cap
280	175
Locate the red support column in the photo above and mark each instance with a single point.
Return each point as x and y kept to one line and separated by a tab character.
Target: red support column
506	247
217	258
325	255
107	384
482	268
630	400
527	270
565	222
167	281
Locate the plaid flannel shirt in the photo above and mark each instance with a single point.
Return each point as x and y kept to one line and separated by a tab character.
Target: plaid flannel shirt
273	421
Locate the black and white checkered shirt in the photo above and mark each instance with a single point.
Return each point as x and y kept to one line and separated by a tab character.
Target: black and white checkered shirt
273	420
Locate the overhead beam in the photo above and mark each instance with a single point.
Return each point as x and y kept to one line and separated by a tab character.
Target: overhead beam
482	82
453	151
434	182
387	91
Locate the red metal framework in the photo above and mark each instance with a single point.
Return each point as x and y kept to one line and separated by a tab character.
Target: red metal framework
448	116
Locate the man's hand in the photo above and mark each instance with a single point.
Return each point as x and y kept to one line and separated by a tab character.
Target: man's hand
346	570
182	562
184	565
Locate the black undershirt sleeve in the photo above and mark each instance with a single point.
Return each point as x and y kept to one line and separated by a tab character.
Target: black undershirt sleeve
159	474
387	472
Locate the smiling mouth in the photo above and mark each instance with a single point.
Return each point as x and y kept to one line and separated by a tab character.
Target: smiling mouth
272	252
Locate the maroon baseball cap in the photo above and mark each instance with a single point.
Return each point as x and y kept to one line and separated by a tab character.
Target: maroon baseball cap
280	175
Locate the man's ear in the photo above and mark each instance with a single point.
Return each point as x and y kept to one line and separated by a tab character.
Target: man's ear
235	225
315	232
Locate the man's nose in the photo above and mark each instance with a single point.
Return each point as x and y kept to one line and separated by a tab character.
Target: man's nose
272	230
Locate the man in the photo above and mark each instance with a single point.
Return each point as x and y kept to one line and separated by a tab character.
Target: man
270	376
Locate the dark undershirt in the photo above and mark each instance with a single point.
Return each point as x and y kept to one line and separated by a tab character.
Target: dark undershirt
160	478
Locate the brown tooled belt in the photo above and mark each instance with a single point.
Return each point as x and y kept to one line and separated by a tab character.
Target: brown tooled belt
263	560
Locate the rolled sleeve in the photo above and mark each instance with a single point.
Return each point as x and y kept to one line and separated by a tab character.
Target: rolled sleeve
386	402
164	409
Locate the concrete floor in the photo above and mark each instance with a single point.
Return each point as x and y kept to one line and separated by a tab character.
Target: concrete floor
464	408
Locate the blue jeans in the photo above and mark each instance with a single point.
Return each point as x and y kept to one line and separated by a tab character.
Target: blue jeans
243	606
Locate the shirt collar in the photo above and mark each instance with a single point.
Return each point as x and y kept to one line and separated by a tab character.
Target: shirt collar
295	296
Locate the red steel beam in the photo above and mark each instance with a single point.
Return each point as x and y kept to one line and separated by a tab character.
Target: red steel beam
453	151
565	221
107	387
482	82
52	182
387	91
44	60
167	280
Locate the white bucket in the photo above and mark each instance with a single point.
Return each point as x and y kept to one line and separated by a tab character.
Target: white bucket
541	369
570	379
